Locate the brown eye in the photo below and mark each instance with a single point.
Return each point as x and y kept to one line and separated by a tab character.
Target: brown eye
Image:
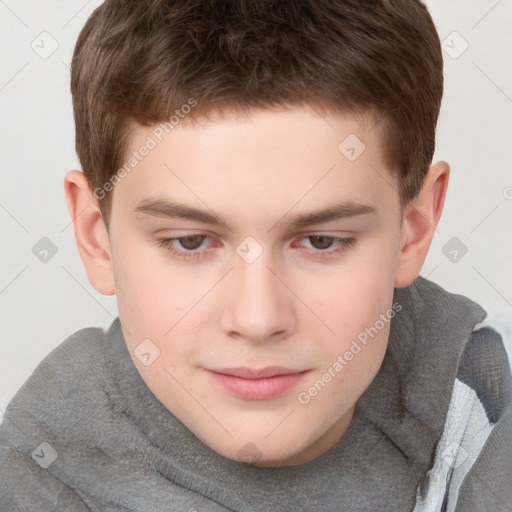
190	246
324	242
191	242
328	246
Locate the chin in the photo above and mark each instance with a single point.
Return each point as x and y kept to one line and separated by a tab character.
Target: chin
251	452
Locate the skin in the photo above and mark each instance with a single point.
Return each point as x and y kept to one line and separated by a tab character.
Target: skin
290	306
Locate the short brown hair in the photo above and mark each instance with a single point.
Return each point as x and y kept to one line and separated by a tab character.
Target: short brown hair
137	61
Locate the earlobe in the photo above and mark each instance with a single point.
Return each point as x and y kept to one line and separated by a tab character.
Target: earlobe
90	232
420	219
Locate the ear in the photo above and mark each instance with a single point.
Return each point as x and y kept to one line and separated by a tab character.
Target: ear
90	232
420	219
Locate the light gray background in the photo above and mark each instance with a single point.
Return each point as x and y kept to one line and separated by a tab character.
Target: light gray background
42	303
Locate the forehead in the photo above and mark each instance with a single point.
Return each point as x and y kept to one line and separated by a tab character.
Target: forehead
260	125
265	157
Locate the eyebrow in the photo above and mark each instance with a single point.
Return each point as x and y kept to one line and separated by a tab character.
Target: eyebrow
164	208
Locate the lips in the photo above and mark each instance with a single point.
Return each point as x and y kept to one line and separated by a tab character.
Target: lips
257	384
249	373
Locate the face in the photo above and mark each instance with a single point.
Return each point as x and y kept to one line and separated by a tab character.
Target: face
252	257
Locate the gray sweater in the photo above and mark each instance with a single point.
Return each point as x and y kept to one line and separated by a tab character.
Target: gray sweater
433	431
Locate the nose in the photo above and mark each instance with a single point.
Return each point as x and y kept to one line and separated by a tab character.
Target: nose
258	305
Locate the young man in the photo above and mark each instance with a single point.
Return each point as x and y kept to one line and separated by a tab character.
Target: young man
258	191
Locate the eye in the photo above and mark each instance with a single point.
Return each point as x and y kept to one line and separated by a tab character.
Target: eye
190	242
189	245
323	242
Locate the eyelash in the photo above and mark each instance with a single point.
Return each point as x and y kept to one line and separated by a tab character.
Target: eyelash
166	243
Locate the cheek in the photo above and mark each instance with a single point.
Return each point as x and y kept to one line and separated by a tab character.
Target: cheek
143	290
356	296
159	302
357	306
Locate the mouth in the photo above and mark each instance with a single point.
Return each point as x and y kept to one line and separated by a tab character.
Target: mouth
257	384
